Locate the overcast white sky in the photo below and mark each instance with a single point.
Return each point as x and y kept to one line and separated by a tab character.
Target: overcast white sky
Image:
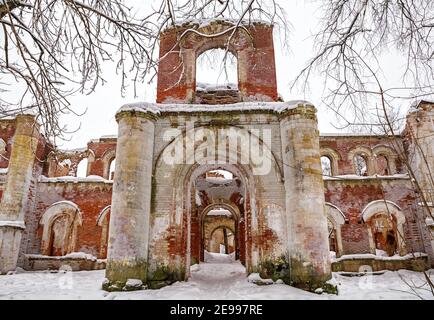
102	105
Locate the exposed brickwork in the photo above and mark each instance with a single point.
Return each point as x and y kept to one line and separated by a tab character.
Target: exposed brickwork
254	50
217	97
91	199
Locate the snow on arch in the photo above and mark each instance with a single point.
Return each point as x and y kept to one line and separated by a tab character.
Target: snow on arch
335	214
386	206
102	215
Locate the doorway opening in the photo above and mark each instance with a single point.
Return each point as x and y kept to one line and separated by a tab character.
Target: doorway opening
217	220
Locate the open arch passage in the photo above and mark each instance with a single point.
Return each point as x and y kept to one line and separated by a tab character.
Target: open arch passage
82	168
160	201
219	208
221	240
360	165
326	166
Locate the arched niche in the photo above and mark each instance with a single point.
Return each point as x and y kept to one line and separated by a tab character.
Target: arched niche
336	219
103	221
60	222
385	220
208	224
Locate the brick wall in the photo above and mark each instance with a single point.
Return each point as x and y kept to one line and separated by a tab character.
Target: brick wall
254	51
90	197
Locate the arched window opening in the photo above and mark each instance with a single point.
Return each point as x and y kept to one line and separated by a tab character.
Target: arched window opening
217	77
326	166
360	165
82	168
111	174
383	165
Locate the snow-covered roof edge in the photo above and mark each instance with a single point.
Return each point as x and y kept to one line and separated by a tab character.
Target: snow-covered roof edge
13	224
350	135
403	176
160	108
202	23
418	102
91	178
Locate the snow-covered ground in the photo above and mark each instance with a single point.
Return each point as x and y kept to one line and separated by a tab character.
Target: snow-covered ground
219	278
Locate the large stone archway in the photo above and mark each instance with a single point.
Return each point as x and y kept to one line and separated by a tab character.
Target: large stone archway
177	187
152	233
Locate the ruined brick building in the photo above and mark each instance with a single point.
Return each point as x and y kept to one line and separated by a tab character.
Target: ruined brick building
232	170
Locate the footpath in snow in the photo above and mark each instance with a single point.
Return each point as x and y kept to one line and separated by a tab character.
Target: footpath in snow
219	278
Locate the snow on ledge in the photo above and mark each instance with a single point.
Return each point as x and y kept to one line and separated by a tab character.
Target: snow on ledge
4	170
207	87
202	23
376	176
256	279
356	134
72	151
90	178
161	108
73	256
13	224
379	257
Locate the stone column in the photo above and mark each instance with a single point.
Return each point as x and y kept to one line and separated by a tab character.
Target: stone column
308	246
13	204
131	200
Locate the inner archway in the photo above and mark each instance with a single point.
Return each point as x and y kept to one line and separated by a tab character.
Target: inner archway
218	214
221	240
219	231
